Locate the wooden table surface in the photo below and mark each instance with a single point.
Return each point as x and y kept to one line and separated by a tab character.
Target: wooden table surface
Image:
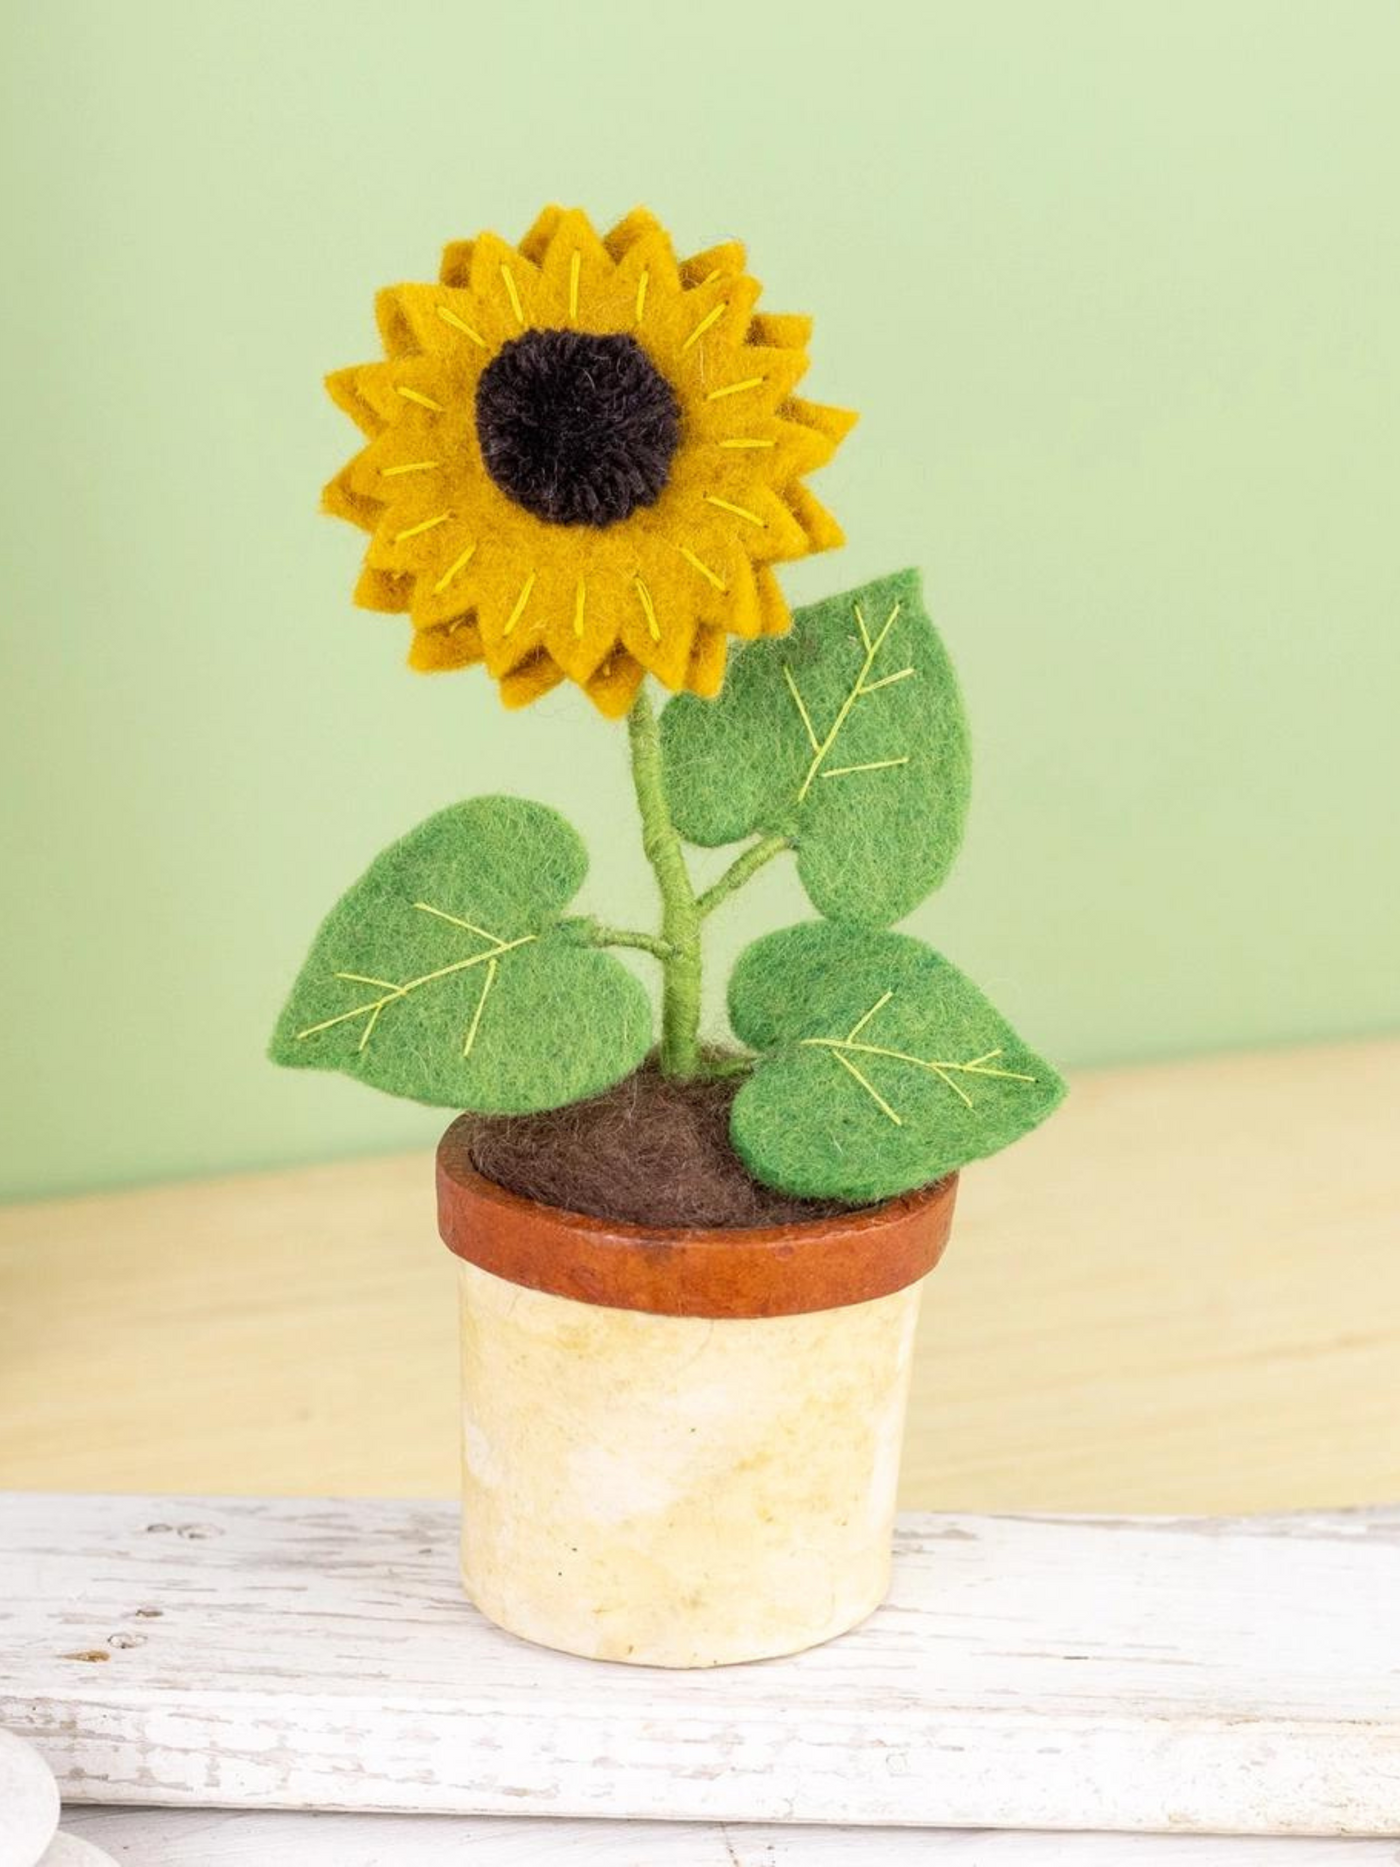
1182	1295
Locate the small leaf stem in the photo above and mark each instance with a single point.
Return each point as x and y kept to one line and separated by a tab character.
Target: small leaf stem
747	864
599	935
680	911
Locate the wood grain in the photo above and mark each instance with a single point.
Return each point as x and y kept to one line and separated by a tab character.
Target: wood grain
1230	1676
213	1838
1182	1294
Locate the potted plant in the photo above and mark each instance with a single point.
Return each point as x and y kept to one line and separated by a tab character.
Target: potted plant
689	1271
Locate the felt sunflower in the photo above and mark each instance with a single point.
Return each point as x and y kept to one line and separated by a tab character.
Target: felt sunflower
584	459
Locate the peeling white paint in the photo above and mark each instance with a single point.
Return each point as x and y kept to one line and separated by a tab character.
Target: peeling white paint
1217	1676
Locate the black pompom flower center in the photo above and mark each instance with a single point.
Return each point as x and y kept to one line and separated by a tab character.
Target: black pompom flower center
578	429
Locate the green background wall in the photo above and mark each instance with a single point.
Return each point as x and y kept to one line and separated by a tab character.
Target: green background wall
1117	288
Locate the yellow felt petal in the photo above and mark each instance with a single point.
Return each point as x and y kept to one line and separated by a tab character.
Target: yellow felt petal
797	447
512	619
343	387
506	286
705	675
432	320
775	616
750	380
665	592
421	504
743	614
403	463
444	589
695	337
531	679
834	423
648	279
614	687
340	498
395	332
582	625
456	268
702	577
726	337
640	224
666	656
400	544
402	389
784	330
442	650
739	517
777	538
386	591
726	260
576	269
819	527
541	231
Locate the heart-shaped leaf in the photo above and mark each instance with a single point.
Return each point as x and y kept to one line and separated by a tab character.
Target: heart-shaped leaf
445	973
880	1066
846	735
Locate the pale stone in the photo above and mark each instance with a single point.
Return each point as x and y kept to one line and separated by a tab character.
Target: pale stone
672	1490
28	1803
72	1851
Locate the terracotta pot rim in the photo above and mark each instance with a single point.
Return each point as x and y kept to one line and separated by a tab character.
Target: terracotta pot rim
735	1271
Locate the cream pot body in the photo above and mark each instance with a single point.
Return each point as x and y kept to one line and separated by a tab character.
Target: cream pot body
653	1473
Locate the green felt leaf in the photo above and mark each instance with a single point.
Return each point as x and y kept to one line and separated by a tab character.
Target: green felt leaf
446	974
881	1067
846	735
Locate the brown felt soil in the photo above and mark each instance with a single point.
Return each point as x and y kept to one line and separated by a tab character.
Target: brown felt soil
649	1152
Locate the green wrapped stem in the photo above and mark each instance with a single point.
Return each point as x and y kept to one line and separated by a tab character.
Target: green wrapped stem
741	869
680	911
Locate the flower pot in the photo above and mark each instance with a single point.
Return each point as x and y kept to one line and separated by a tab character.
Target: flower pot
681	1447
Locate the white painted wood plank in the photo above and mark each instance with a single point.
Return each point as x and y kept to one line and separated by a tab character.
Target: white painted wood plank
213	1838
1231	1676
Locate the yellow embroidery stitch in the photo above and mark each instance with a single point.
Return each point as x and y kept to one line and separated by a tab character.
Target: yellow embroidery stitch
520	603
648	611
427	525
889	680
493	966
864	1018
712	316
515	304
842	1047
813	740
872	649
733	388
868	1087
875	764
456	920
394	992
458	563
740	512
449	316
704	570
